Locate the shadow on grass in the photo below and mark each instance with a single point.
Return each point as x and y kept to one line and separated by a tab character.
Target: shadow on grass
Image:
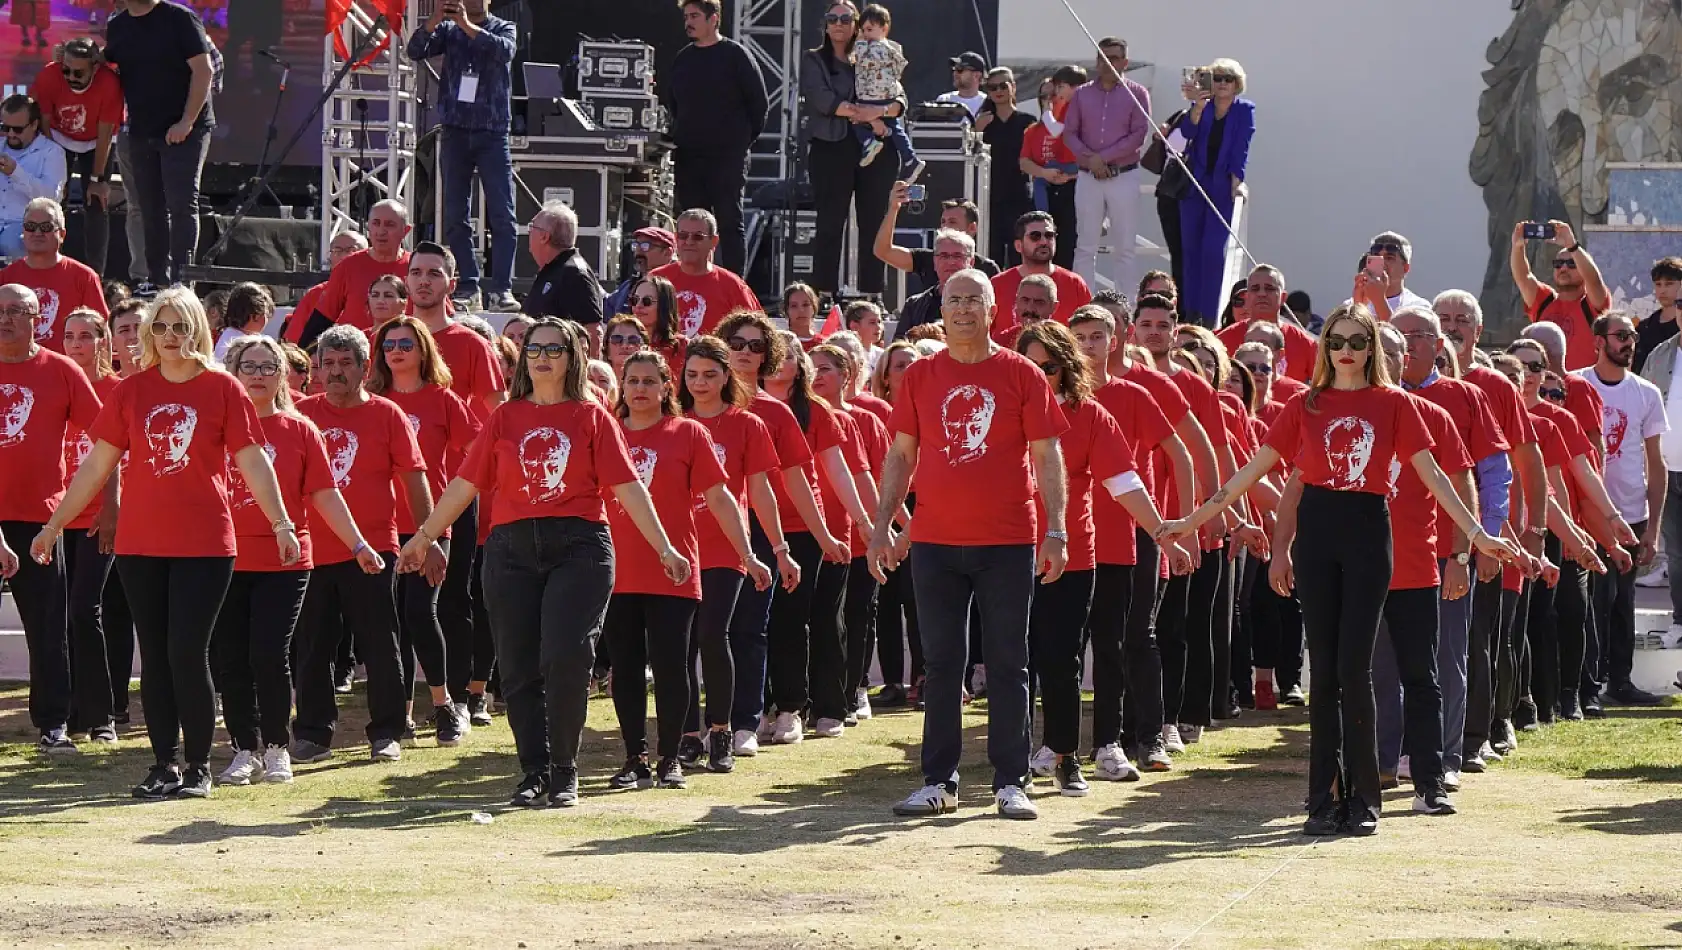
1646	818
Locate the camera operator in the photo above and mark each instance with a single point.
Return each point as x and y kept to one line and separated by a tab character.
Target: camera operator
82	103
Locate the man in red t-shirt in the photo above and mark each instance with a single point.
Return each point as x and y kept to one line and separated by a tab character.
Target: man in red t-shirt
343	245
345	300
60	284
82	106
706	292
1264	294
1036	241
1577	297
979	425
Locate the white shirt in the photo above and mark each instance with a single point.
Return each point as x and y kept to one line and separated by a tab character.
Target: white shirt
41	173
1671	442
1634	413
1406	298
228	336
972	103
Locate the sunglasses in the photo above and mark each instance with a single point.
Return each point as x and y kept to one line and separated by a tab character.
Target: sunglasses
1565	263
1050	369
1536	367
1358	342
644	301
1622	336
830	19
539	350
1226	77
39	227
265	370
404	346
1386	250
1259	369
16	129
645	246
741	343
1553	395
620	339
182	330
693	236
995	86
1046	235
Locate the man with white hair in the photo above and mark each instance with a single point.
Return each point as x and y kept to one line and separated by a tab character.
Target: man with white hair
565	286
60	284
1384	288
954	251
979	425
345	300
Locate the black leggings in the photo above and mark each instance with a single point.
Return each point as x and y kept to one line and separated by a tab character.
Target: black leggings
650	631
458	604
790	632
119	639
826	664
896	628
89	571
1056	620
483	651
175	601
1248	572
858	612
39	592
1202	609
252	650
709	641
1221	628
1547	675
1342	561
419	633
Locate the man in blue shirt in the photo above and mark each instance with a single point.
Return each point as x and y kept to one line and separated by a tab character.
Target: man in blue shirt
473	111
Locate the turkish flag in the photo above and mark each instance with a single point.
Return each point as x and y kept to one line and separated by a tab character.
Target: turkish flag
831	323
339	10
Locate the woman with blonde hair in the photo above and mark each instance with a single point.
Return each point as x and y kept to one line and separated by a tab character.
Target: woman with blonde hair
1219	126
183	421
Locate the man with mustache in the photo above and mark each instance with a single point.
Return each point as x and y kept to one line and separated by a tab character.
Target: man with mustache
82	102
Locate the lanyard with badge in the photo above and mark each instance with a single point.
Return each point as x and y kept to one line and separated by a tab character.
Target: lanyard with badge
468	89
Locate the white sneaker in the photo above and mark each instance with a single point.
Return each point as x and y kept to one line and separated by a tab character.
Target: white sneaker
1671	639
788	729
1191	735
1657	577
872	148
465	718
1404	770
861	702
1451	780
277	765
1044	762
829	729
246	766
1111	765
767	733
1014	803
1488	753
745	744
1171	738
926	802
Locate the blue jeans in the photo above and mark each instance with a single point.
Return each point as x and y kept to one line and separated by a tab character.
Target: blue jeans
1000	579
165	180
1407	697
462	152
897	136
748	641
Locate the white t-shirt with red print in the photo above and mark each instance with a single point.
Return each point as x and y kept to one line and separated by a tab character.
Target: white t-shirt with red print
1632	412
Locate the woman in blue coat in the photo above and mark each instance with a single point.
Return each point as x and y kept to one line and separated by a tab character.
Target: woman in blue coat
1220	128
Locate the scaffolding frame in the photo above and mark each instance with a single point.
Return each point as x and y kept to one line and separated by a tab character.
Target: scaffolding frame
770	30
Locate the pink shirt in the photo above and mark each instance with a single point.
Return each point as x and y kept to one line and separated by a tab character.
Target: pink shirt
1108	122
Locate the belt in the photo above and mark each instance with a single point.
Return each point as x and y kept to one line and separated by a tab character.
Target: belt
1117	169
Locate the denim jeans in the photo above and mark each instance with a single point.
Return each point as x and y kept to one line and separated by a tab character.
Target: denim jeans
165	179
1454	627
462	152
1001	580
1670	530
749	641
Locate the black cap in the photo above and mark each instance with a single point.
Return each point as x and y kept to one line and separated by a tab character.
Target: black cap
969	61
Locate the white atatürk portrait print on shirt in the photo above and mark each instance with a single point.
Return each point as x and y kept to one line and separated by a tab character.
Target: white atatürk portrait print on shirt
49	313
1616	422
691	309
414	423
239	493
76	451
643	461
169	435
966	416
341	453
544	453
1349	448
16	404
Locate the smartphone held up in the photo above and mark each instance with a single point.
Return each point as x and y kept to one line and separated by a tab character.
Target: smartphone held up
1538	231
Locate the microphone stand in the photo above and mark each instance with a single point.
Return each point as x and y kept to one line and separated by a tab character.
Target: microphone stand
260	183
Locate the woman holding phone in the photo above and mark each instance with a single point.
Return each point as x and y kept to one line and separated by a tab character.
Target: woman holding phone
1219	127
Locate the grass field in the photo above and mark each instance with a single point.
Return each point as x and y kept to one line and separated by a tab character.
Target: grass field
1574	842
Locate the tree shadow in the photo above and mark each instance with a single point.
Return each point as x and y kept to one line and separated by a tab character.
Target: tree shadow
1646	818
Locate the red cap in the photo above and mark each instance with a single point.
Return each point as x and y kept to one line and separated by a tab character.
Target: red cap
657	235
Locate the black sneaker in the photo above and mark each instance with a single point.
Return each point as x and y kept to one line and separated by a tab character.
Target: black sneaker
1568	708
103	735
1153	755
1358	819
447	720
563	787
892	695
1325	820
1628	694
1294	697
635	774
531	790
145	290
690	750
159	783
56	742
121	717
1524	717
478	709
408	738
719	758
1070	783
670	774
1504	738
1433	801
195	783
1592	709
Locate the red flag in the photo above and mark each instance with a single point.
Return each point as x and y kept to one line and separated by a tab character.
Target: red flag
339	10
831	323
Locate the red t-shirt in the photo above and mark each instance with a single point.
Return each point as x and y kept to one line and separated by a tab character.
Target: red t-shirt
1239	434
299	456
444	430
77	115
674	459
835	517
1505	403
346	298
742	444
292	330
793	451
179	437
874	437
1206	407
1142	424
974	423
1094	451
1575	317
368	447
822	433
882	409
40	399
1171	402
1583	401
475	369
548	461
1480	435
1044	149
77	445
704	301
1072	294
1417	533
1297	362
60	289
1576	443
1347	442
1285	388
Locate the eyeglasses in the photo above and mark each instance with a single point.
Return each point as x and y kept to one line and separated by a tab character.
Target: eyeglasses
694	237
1419	336
644	301
995	86
830	19
1553	395
18	313
404	346
74	73
1051	369
550	350
182	329
740	343
1622	336
1226	77
265	370
973	300
1045	235
645	246
620	339
16	129
1259	369
1565	263
951	256
1358	342
39	227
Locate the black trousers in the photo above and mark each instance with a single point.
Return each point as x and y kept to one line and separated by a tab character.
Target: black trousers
709	641
858	614
1168	212
896	626
457	602
1573	630
1343	562
1142	704
367	602
252	653
483	650
1188	665
839	185
175	601
1001	233
419	634
1172	601
1488	604
118	623
1221	626
89	571
40	592
1405	660
1251	571
1615	592
1546	676
547	583
650	631
1058	616
1505	652
789	635
1060	200
96	218
749	626
165	180
826	663
715	180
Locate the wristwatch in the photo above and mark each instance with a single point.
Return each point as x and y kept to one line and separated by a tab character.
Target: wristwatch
1463	558
1062	536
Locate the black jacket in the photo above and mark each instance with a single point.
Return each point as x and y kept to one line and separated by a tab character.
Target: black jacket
566	288
918	310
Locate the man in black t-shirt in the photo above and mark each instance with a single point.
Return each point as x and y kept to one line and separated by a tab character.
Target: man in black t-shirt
956	214
163	58
1661	326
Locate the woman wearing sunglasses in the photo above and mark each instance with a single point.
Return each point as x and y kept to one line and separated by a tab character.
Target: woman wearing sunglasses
654	303
1219	127
252	644
408	370
551	453
1341	437
185	425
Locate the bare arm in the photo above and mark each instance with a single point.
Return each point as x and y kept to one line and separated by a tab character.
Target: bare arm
633	497
89	481
458	494
885	249
1519	262
897	467
834	468
800	492
1240	483
1527	460
420	495
1191	432
1185	480
330	505
198	90
730	519
1052	479
1658	483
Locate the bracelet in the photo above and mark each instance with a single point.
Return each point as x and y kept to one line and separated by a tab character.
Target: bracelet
420	532
360	547
283	525
781	548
